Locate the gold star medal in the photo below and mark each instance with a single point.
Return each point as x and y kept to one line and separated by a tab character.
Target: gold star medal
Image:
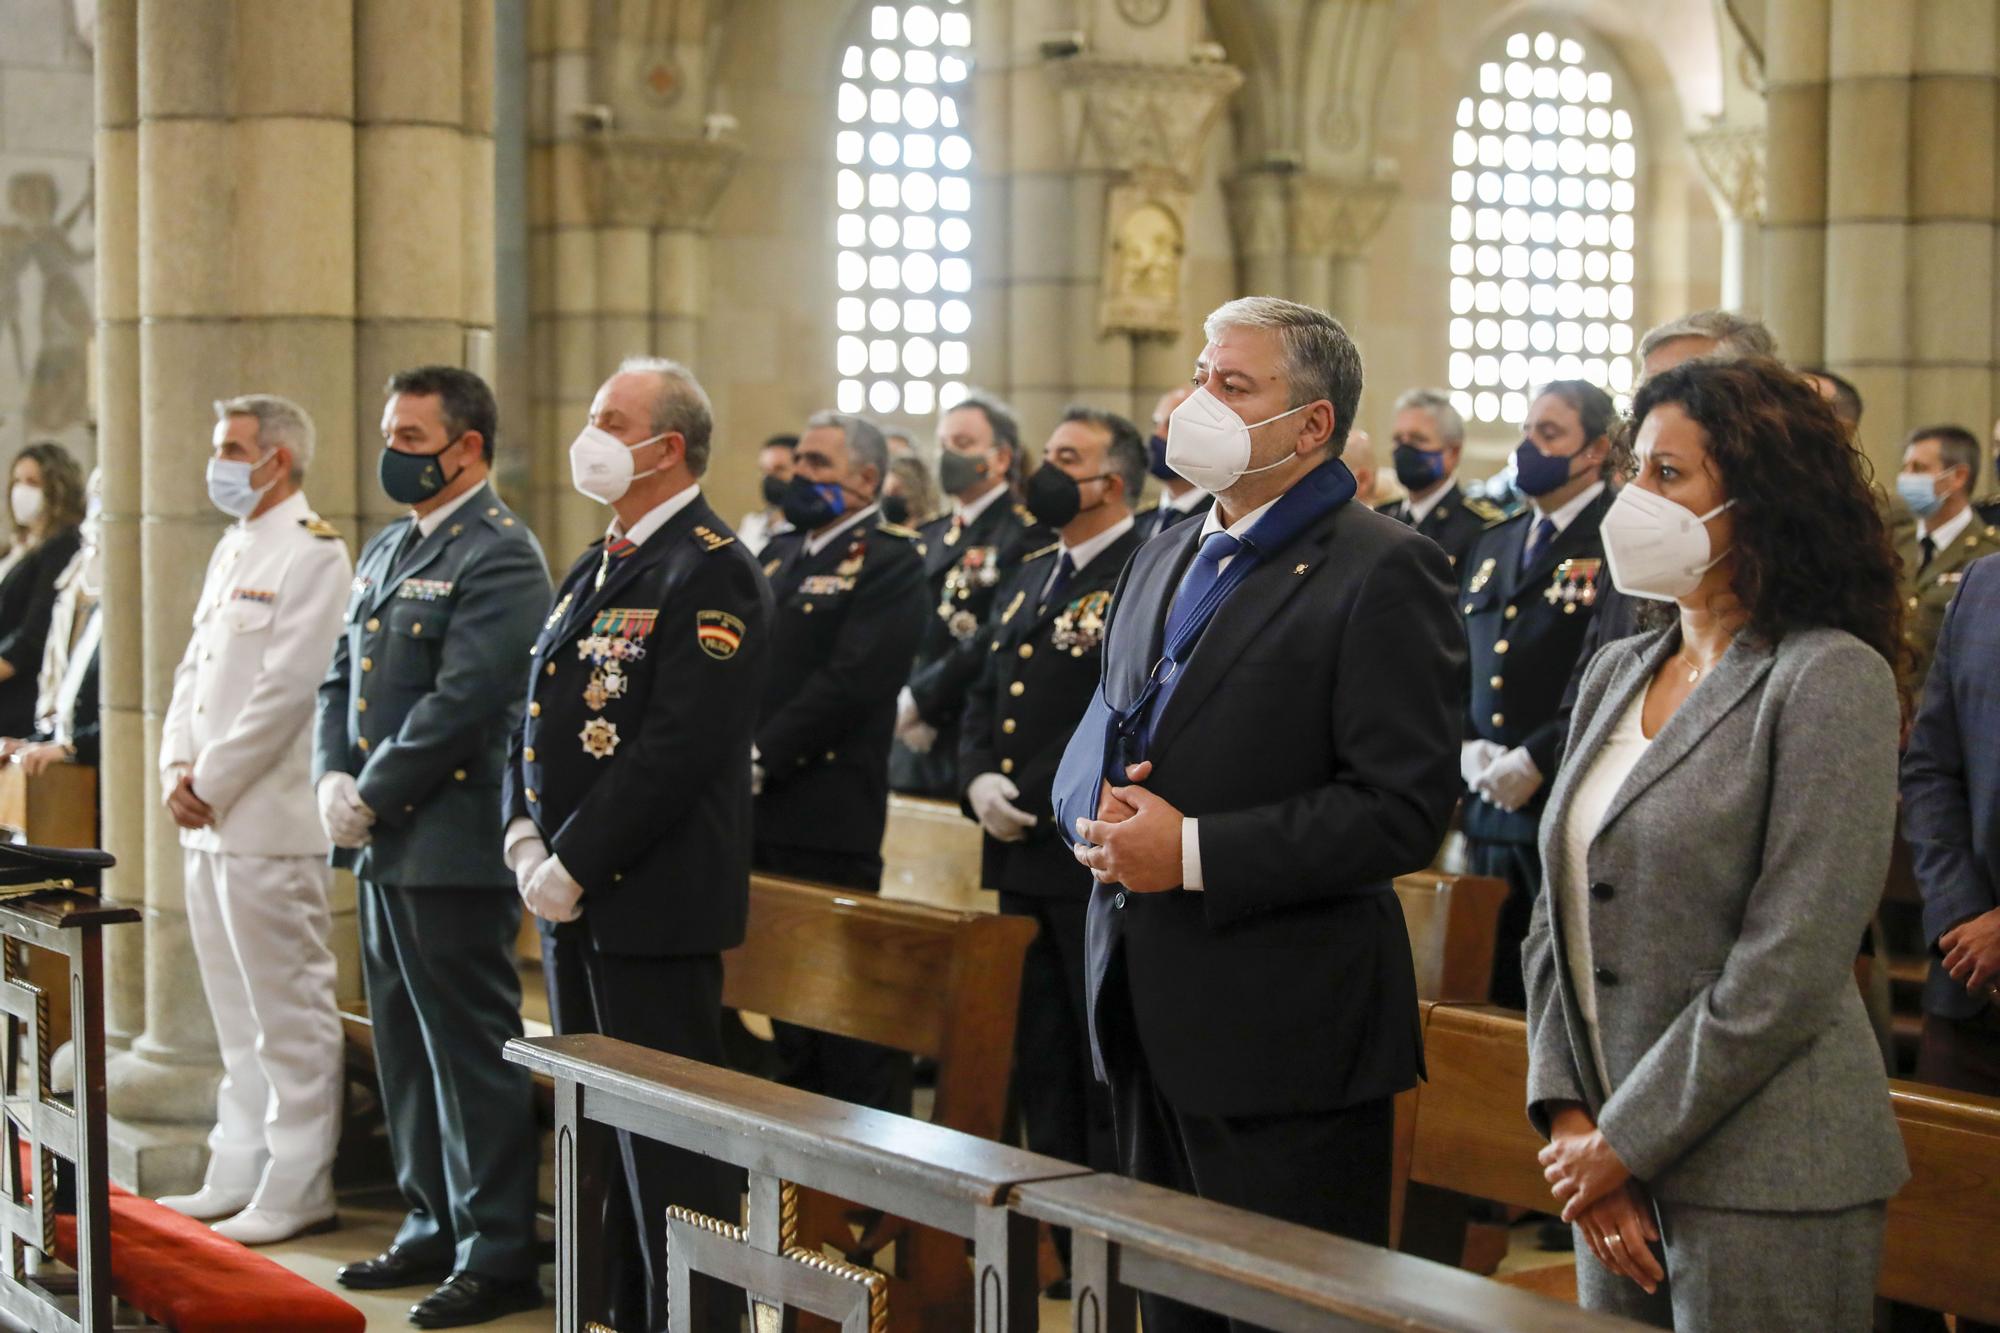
599	738
595	695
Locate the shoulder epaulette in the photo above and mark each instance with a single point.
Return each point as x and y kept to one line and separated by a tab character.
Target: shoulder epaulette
708	539
1050	549
326	532
1022	512
1485	509
498	517
898	530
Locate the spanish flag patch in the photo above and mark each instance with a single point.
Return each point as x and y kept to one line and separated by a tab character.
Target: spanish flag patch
719	634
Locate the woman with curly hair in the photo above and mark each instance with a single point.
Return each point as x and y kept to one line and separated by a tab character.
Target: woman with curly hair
1719	1123
46	498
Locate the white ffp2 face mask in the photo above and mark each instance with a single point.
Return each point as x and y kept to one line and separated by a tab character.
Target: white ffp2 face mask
26	502
1656	548
1210	445
600	464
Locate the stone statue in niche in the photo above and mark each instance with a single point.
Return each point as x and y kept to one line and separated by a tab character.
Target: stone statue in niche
46	348
1142	275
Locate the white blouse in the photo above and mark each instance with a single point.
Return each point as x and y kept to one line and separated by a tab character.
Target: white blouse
1594	792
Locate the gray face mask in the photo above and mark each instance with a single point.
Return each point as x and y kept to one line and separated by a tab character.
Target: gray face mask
960	472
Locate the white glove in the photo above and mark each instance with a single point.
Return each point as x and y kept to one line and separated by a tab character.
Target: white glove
916	735
524	858
551	894
342	813
991	797
756	772
1511	781
1474	758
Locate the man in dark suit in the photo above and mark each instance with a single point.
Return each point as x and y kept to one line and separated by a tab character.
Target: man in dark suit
628	783
1041	669
966	554
414	716
1272	742
1429	440
850	605
1179	497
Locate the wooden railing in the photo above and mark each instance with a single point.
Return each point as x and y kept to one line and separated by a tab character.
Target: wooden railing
1129	1237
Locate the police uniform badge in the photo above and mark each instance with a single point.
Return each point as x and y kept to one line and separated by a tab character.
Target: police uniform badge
1574	584
1483	575
718	633
962	624
599	737
1080	627
857	551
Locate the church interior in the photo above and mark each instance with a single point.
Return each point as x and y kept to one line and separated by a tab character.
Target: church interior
883	209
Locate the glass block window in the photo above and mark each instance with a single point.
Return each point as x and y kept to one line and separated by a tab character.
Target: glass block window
904	196
1543	186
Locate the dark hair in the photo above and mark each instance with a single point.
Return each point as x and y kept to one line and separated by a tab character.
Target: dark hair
1846	398
1812	548
63	496
1001	421
1597	414
464	400
1957	447
1125	457
785	442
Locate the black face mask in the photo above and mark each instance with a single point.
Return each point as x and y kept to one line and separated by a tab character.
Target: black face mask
810	505
896	509
1156	459
1417	468
774	492
960	472
414	478
1055	497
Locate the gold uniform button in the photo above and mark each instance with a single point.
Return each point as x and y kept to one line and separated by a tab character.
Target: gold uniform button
529	754
1027	650
1499	720
807	608
617	877
363	743
1008	726
360	705
417	628
549	670
535	708
1006	765
1913	603
372	625
367	664
532	798
1500	647
831	756
1495	682
494	511
458	775
1511	612
1017	689
1468	608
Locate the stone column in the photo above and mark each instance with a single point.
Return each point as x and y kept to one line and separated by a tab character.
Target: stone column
1794	231
1732	162
1305	235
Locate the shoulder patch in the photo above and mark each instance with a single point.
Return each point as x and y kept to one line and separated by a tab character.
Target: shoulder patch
1485	509
898	530
708	539
1050	549
325	531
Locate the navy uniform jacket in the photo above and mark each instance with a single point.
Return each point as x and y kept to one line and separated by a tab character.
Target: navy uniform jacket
847	621
634	758
425	689
1454	522
1525	629
963	570
1041	669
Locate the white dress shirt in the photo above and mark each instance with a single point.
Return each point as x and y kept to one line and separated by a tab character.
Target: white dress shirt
431	522
1562	517
1421	509
972	509
1948	531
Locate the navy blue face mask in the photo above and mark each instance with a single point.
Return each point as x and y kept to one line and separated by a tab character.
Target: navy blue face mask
1418	468
1156	459
1537	473
811	505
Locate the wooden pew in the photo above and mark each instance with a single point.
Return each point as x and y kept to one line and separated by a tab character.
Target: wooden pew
1452	921
55	808
930	854
1471	1137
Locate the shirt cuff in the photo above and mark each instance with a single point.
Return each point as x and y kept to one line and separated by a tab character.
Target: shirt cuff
1191	855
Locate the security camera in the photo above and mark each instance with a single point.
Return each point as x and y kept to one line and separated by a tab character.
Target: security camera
1063	45
596	118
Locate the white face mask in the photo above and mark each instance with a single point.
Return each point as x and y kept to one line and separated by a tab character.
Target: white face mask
600	464
1210	445
1656	548
27	503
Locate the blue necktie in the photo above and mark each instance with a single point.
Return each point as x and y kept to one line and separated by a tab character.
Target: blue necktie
1058	584
1545	532
1200	577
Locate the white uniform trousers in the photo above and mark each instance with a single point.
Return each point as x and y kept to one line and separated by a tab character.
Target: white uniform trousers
260	927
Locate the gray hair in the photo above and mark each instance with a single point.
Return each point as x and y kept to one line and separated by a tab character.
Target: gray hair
866	445
281	423
1736	337
1450	425
1320	360
681	406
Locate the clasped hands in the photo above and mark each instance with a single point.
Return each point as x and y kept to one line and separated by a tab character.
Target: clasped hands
1503	777
1599	1195
1971	952
1135	841
546	888
342	813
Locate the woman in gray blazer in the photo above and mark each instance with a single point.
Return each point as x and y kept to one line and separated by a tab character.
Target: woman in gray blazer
1720	1128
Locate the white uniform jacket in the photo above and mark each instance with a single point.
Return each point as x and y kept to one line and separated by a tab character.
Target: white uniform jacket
271	607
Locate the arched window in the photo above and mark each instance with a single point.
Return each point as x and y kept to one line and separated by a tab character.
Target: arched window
904	195
1542	188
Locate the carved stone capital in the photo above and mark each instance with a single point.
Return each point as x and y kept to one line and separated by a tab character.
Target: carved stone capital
1295	213
1142	118
658	183
1732	161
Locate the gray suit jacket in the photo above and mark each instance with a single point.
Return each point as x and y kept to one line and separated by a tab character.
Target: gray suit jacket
425	688
1734	872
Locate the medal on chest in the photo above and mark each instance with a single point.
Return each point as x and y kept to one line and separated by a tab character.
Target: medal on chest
1080	627
1574	584
617	637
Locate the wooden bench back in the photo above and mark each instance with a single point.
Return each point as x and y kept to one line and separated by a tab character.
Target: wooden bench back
934	983
1471	1135
1452	921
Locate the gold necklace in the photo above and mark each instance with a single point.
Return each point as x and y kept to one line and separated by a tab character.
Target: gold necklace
1694	671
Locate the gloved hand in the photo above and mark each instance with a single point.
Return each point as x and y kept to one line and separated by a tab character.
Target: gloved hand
1474	758
342	813
991	796
524	858
916	734
1511	781
551	894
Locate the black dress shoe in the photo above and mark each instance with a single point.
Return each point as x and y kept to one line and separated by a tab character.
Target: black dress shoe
474	1298
393	1268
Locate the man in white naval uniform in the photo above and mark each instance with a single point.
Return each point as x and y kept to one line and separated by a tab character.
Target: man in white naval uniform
235	762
